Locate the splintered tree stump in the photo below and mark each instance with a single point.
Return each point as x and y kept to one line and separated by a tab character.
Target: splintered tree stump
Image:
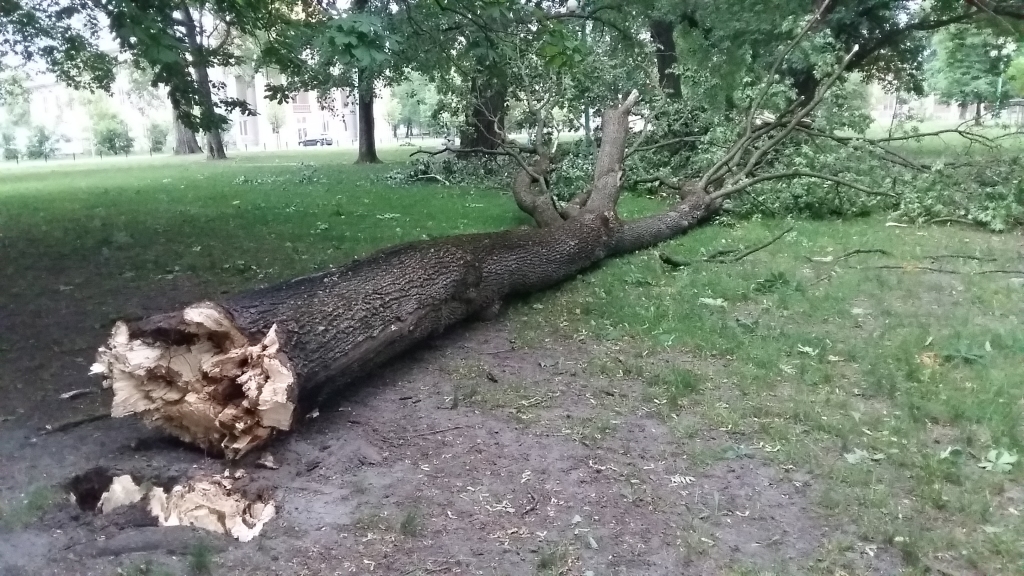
228	375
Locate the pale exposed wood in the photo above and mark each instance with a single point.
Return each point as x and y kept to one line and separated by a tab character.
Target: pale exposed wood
122	492
212	505
210	387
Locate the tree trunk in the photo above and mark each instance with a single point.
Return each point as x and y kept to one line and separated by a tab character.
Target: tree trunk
962	108
215	146
977	113
227	376
185	141
485	119
208	114
367	135
663	35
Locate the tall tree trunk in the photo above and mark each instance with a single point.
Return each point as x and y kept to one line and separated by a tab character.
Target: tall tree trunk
977	113
485	120
208	114
215	146
227	376
185	141
367	134
663	34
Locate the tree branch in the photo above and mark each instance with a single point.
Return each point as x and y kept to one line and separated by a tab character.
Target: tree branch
608	166
741	186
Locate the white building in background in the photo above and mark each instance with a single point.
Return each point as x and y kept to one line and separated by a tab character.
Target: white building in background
63	111
301	118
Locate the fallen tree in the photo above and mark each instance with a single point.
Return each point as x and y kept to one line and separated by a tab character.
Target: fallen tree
228	375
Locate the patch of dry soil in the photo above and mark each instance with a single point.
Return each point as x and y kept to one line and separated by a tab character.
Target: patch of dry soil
466	457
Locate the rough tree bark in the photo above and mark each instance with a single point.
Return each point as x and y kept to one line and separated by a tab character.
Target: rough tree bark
484	127
228	375
185	141
367	135
663	34
364	106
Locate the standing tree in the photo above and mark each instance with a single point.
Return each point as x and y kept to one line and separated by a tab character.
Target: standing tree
276	119
968	66
330	51
180	42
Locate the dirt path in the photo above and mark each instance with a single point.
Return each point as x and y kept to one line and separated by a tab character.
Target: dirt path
468	457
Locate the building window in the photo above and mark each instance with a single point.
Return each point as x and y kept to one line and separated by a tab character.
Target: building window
300	120
302	133
327	125
243	127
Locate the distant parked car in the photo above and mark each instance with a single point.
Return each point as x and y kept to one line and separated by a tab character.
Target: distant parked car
322	140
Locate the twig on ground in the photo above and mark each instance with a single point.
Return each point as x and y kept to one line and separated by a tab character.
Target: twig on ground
999	271
70	424
961	256
720	255
857	251
428	433
777	237
532	506
913	268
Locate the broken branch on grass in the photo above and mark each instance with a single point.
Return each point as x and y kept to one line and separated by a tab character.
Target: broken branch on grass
778	237
720	256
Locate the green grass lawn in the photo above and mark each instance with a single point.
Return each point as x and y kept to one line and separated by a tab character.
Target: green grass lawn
890	385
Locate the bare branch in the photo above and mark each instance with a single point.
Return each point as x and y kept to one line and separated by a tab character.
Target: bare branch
649	147
800	115
608	166
775	239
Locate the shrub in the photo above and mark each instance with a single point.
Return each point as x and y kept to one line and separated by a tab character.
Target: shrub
113	136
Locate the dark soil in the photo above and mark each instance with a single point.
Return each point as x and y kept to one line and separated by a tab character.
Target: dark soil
469	456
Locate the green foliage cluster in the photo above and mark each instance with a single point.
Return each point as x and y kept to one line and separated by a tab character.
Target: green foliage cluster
988	193
968	63
114	137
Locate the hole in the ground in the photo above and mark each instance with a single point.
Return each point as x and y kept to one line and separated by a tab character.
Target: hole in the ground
89	486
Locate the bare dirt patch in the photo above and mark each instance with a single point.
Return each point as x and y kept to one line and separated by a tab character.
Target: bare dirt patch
469	456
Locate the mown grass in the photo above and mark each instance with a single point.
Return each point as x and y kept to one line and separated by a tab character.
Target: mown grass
889	385
892	384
